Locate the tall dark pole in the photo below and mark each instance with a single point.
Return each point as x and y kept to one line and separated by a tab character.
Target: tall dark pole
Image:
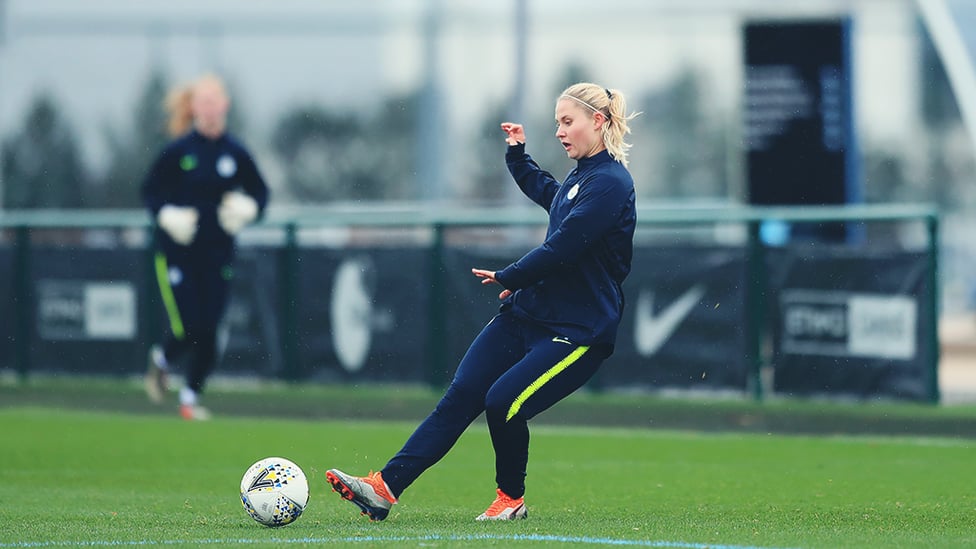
3	37
512	193
521	42
430	152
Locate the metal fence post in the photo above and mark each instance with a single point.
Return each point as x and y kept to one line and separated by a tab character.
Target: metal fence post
436	313
150	299
932	224
23	297
755	290
287	310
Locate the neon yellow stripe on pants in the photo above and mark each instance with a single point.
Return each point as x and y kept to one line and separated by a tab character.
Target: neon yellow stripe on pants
543	379
169	300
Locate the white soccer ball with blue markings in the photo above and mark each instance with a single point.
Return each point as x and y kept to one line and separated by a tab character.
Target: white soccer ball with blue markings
274	491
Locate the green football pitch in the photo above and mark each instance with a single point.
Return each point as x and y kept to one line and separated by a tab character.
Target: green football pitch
108	478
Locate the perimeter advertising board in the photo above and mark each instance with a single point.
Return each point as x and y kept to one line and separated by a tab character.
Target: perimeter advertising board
850	323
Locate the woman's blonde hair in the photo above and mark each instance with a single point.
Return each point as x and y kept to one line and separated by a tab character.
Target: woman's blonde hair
179	105
612	104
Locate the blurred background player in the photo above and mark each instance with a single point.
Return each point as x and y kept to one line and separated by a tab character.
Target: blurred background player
202	190
561	305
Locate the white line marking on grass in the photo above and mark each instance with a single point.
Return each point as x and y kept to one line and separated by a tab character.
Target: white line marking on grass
381	539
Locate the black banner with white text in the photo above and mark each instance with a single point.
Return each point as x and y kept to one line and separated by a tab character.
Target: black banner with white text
849	322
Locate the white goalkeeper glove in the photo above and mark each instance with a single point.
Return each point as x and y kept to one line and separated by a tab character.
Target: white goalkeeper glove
236	210
179	222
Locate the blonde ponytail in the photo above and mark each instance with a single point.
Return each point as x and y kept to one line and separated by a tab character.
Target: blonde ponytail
178	104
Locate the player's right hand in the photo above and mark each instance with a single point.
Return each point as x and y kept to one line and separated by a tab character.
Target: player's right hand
488	277
516	134
179	222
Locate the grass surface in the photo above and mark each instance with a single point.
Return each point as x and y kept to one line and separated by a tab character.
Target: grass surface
77	477
413	403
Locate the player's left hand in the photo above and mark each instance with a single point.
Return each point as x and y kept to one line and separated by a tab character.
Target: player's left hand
236	210
488	277
515	133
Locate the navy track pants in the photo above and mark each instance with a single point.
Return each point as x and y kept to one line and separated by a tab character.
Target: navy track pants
513	370
194	288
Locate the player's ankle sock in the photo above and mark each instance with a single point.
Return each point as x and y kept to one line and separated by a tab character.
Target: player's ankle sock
188	397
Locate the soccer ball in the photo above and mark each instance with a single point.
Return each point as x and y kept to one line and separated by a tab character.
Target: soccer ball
274	491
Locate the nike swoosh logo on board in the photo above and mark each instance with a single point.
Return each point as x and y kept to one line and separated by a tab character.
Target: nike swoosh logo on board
652	331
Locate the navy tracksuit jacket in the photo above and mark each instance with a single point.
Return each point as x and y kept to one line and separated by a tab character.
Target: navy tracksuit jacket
552	334
194	280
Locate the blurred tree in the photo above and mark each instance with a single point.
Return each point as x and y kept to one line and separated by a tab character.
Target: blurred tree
42	166
314	146
489	177
330	156
134	149
394	132
690	149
